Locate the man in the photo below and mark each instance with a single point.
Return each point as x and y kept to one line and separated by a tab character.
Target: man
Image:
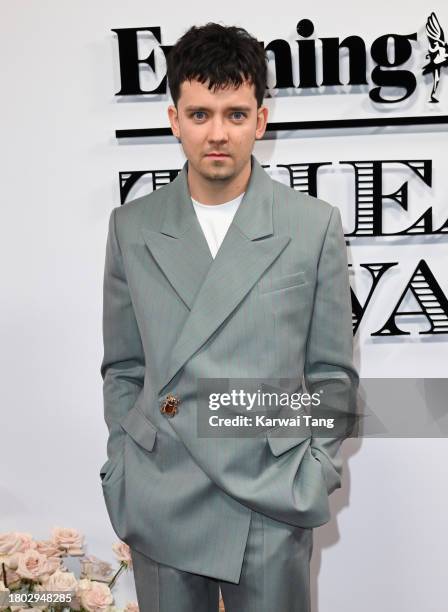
222	274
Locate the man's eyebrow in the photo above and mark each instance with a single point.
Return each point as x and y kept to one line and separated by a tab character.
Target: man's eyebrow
241	107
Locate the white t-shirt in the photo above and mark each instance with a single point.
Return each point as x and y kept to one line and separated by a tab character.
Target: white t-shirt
215	220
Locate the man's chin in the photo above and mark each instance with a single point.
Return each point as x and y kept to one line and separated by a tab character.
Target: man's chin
218	174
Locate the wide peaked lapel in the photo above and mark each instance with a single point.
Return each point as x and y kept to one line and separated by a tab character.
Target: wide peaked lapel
213	288
179	245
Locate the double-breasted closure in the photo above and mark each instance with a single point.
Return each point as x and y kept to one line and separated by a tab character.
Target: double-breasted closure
273	304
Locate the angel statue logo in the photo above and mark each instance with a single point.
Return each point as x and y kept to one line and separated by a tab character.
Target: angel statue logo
438	52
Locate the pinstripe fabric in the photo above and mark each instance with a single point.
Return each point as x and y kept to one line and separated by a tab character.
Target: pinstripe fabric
275	576
274	303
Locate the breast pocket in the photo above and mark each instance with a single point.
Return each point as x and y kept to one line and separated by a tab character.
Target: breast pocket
275	283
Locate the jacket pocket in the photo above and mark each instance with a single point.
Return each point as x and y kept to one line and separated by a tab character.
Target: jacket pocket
110	472
282	282
139	428
106	468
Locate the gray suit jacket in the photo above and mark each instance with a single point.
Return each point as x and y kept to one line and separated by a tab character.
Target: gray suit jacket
274	303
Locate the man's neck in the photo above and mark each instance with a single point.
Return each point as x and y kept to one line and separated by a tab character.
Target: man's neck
217	192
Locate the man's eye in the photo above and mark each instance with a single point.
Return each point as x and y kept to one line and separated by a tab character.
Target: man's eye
238	115
199	115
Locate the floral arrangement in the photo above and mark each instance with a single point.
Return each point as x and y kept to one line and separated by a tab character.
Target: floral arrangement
33	574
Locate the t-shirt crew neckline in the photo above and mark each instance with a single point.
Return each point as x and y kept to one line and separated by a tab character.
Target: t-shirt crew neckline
215	220
218	206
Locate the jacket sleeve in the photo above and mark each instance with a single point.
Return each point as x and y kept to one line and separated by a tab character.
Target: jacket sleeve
123	365
329	368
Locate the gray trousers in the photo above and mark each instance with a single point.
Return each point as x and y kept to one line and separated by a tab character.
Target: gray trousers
275	576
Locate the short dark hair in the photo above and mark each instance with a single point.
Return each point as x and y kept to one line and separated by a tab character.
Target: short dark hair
222	55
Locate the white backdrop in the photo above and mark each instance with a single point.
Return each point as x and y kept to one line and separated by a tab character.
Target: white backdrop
385	548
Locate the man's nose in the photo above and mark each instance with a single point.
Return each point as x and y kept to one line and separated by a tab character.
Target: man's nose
218	131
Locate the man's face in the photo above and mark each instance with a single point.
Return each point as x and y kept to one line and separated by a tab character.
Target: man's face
217	129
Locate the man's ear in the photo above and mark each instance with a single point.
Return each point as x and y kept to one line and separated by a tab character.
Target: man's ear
174	120
262	121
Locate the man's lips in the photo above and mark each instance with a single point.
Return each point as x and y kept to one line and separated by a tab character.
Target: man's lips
217	155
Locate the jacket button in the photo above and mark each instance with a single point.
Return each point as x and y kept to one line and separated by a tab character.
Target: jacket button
169	405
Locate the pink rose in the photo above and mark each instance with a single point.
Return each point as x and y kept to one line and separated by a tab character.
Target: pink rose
94	596
132	607
61	581
48	548
123	553
15	541
54	564
32	565
69	540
